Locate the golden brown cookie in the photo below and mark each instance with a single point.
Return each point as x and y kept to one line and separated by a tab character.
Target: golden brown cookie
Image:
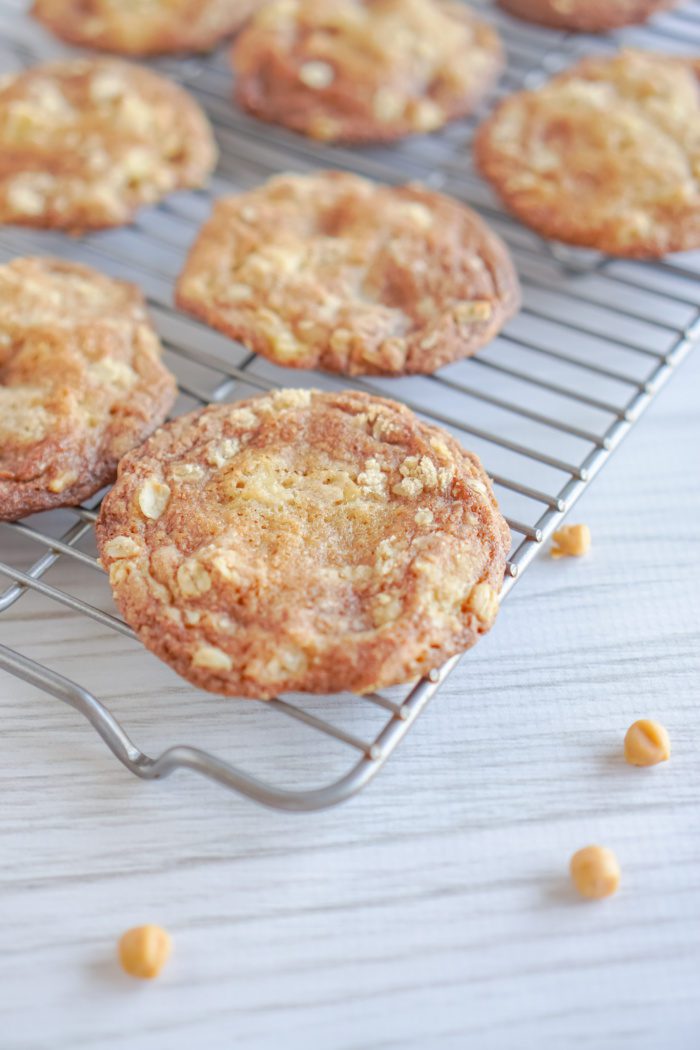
586	16
364	70
83	143
606	155
150	27
81	382
303	541
332	271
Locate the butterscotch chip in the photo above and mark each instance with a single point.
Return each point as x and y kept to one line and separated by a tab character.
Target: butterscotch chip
294	563
144	951
647	743
586	16
606	155
355	70
81	383
150	27
595	872
332	271
84	143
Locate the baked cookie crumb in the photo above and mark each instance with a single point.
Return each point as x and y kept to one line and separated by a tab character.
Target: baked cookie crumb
364	70
85	142
571	541
303	541
81	382
332	271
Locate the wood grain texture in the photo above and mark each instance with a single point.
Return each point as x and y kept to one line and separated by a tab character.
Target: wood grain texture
433	910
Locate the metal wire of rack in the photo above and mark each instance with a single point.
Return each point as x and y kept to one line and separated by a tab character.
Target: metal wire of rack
545	404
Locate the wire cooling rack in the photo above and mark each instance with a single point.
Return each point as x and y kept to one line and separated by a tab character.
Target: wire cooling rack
545	404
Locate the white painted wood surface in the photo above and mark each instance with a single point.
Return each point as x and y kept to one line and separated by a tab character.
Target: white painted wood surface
434	910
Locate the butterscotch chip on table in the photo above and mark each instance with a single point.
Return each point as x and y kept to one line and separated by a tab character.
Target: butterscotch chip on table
81	382
332	271
586	16
144	951
150	27
647	743
606	155
303	541
364	70
595	872
84	143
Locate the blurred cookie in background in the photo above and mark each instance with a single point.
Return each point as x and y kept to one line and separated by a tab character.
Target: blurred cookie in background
364	70
85	142
606	155
336	272
586	16
150	27
82	382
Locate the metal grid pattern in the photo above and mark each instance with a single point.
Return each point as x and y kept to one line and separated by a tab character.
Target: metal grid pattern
545	404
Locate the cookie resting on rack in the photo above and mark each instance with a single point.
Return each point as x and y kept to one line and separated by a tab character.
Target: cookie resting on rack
364	70
335	272
151	27
606	155
303	541
85	142
81	382
586	16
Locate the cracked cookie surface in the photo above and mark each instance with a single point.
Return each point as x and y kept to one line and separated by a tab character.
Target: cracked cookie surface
81	382
150	27
364	70
606	155
303	541
332	271
586	16
85	142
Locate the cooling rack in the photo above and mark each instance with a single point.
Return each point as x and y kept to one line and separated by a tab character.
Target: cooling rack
545	405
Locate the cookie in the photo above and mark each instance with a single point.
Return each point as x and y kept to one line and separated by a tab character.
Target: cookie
606	155
81	382
332	271
364	70
153	27
83	143
586	16
303	541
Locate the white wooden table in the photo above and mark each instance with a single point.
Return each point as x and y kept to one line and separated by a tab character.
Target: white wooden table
434	910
